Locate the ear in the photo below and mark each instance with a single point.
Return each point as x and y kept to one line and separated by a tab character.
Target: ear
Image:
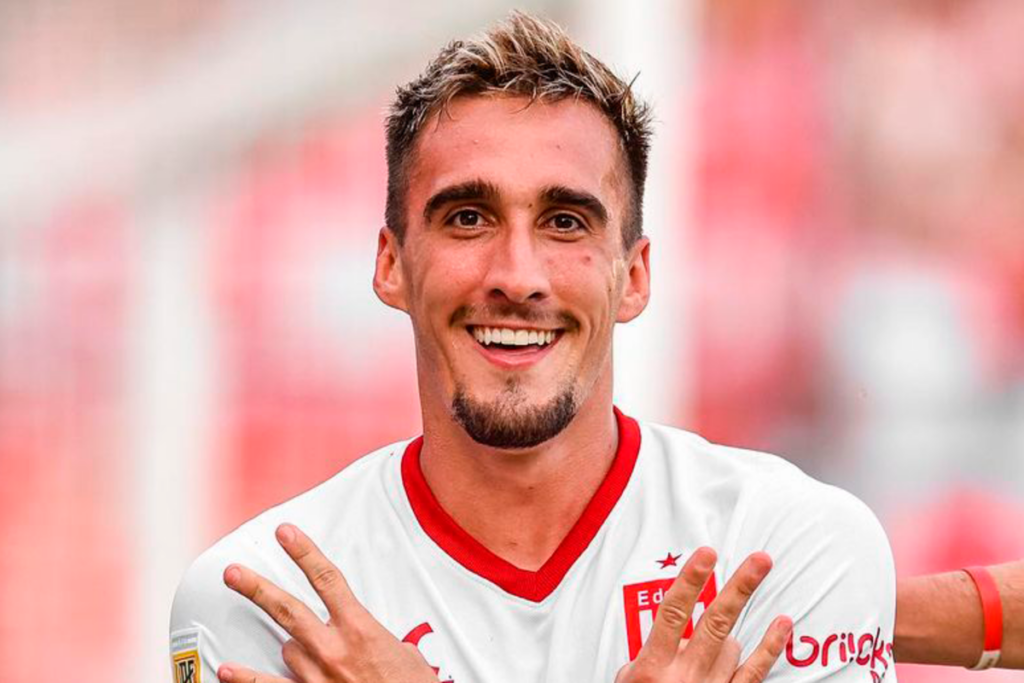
637	290
388	283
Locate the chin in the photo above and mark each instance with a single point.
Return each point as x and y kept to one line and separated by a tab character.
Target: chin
511	421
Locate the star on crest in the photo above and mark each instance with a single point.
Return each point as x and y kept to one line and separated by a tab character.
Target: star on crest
669	561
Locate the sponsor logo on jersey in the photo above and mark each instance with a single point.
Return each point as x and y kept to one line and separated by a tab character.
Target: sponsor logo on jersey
641	601
866	650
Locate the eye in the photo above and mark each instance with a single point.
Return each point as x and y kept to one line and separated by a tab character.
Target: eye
466	218
566	222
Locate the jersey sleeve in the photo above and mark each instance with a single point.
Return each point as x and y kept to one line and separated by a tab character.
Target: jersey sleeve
832	574
212	625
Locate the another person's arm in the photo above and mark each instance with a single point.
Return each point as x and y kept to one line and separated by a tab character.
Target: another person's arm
939	618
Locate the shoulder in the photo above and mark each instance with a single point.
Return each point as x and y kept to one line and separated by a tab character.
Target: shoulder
680	449
330	508
741	484
760	501
832	572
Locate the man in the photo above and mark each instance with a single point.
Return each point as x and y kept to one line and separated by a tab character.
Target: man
534	533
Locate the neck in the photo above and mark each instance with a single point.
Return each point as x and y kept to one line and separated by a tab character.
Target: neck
520	504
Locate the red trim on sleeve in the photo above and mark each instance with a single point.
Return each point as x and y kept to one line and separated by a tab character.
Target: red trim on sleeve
472	555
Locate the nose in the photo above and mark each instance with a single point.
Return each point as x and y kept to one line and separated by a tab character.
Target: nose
516	271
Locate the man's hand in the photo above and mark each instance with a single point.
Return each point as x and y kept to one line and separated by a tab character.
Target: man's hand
352	647
711	655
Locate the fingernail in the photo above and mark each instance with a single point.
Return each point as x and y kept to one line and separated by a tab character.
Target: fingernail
225	674
285	533
232	575
706	561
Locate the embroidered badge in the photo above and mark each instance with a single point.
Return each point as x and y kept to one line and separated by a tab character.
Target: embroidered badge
185	656
641	601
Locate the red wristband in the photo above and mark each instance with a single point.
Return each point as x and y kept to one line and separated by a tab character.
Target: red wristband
992	611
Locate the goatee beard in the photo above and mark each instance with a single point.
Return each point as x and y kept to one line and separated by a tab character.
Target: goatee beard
503	423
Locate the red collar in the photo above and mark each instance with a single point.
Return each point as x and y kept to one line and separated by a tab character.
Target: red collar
468	552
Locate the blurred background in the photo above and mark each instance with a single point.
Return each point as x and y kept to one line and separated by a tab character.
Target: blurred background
190	192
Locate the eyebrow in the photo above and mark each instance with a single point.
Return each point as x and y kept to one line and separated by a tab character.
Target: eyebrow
478	190
566	196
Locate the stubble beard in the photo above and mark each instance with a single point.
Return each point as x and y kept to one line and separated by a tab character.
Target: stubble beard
509	422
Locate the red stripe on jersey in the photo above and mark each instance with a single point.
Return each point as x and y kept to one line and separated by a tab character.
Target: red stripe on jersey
472	555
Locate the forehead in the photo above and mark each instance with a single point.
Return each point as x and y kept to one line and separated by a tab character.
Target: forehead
519	146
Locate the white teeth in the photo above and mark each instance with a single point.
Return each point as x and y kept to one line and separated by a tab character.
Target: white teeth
509	337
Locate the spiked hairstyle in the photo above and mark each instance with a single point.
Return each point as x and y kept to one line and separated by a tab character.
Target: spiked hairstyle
528	57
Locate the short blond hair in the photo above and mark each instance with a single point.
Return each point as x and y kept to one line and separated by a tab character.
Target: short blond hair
523	56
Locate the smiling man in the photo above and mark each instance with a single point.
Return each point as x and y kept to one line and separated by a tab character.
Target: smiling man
534	532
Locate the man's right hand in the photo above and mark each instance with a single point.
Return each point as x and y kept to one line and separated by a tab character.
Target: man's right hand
711	655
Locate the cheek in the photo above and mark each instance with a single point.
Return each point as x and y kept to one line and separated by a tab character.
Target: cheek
447	279
576	263
586	282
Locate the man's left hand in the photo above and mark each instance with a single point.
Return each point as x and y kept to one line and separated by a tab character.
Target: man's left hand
352	647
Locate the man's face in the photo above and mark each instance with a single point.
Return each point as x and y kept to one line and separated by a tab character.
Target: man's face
512	268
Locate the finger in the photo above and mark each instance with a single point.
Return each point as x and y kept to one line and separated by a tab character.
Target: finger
761	660
233	673
726	662
716	623
290	614
325	578
677	606
299	662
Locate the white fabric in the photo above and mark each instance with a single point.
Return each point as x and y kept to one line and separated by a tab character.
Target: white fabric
833	572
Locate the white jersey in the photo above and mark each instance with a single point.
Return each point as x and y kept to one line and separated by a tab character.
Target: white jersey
586	612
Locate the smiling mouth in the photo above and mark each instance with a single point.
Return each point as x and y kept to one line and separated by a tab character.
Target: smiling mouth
505	338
